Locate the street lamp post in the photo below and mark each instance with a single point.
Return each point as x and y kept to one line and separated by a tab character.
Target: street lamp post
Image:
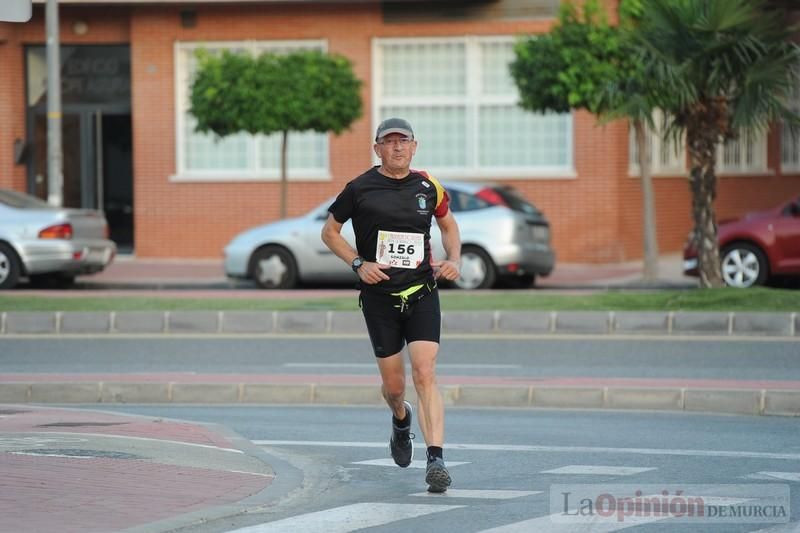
55	165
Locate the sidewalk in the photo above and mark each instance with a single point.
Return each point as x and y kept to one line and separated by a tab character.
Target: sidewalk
128	273
89	471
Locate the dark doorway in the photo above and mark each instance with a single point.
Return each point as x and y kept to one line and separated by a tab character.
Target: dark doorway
96	133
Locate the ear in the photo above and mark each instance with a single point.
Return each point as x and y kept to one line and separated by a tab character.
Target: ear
376	149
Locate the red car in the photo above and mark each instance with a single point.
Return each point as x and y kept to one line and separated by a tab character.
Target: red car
757	247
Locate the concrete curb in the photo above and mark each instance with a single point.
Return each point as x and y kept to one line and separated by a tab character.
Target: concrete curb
747	401
784	325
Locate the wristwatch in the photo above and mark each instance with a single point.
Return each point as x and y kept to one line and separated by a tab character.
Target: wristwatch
357	262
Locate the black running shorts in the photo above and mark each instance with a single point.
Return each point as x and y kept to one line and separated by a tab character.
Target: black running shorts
390	327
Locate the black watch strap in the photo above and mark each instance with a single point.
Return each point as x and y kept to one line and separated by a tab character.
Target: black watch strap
357	262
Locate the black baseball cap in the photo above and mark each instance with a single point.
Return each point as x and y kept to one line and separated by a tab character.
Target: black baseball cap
394	125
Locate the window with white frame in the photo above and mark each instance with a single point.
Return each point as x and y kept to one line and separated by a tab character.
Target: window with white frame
747	154
790	142
666	157
460	98
241	156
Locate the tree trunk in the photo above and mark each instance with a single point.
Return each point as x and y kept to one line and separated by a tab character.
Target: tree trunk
284	180
648	204
702	141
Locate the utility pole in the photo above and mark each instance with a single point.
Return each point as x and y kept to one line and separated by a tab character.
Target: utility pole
55	163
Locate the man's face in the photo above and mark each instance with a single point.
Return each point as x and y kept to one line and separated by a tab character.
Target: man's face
396	150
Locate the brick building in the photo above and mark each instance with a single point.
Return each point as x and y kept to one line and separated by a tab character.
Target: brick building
170	192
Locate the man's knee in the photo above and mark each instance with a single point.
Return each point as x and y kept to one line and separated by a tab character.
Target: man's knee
394	388
424	375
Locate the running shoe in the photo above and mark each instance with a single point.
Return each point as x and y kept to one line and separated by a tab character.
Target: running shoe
400	443
436	475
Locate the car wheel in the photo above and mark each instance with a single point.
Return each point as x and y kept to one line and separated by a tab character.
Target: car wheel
744	265
9	267
274	267
477	269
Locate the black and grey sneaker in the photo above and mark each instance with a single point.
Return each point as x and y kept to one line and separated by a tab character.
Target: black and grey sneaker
400	443
436	475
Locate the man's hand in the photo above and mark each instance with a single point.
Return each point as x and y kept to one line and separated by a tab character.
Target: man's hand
446	269
372	273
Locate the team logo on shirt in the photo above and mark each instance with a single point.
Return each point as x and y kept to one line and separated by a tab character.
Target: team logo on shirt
422	204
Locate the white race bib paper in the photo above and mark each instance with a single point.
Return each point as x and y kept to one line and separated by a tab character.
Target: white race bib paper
399	249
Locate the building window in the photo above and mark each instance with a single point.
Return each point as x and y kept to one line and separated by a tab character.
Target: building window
747	154
790	142
459	96
665	156
242	156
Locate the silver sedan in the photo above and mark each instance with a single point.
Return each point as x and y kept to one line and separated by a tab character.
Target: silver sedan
504	238
46	243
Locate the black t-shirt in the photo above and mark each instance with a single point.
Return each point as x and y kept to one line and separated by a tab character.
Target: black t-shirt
376	202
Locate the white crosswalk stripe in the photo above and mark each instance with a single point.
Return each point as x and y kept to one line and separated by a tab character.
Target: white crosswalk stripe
558	523
414	464
479	494
598	470
786	476
348	518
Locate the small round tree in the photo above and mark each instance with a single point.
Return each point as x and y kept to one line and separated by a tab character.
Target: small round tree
271	93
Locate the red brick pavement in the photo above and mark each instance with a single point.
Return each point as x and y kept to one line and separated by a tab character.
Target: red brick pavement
65	494
45	487
76	421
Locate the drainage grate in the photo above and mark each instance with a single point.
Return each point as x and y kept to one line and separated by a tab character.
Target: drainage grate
81	424
83	454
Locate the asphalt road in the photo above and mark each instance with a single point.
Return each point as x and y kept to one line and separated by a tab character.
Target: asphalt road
511	468
529	357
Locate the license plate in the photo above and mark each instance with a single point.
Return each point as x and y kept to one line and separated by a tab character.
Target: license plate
690	264
540	233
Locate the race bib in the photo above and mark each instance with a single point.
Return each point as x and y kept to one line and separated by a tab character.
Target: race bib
399	249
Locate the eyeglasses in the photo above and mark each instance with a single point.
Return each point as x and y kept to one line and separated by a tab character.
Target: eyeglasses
402	141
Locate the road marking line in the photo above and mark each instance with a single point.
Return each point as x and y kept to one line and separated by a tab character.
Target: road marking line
348	518
787	476
146	439
546	524
414	464
548	449
372	365
479	494
598	470
559	523
791	527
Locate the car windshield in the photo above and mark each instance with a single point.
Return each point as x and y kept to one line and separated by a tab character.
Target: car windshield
20	200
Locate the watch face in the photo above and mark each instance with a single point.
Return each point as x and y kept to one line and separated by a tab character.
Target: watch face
357	262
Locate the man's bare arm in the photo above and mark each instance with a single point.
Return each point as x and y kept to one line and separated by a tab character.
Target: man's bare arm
370	273
449	268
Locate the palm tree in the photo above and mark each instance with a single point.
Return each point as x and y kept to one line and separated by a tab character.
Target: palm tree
724	67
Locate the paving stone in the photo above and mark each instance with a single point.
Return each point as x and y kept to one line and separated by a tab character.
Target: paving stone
302	322
139	322
277	394
779	402
30	322
86	322
490	396
644	398
532	322
247	322
568	397
568	322
479	322
641	322
193	322
205	393
772	324
724	401
65	392
700	323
